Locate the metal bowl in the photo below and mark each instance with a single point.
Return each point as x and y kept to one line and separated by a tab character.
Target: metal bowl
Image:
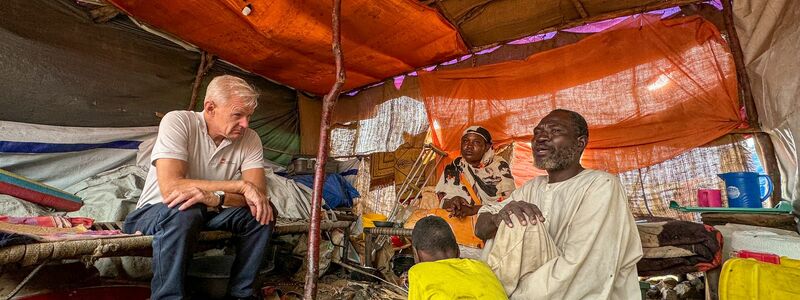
384	224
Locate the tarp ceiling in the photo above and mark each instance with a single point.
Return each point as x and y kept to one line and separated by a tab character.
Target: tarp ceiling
484	22
289	41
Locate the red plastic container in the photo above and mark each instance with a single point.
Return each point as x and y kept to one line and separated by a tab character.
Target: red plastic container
397	241
759	256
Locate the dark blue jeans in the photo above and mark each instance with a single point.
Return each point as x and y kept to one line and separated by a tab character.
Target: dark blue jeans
175	235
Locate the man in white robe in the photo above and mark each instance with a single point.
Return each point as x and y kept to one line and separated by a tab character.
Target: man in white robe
573	236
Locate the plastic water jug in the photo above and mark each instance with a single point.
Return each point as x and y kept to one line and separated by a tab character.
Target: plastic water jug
744	190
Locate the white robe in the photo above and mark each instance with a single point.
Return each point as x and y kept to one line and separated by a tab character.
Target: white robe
587	248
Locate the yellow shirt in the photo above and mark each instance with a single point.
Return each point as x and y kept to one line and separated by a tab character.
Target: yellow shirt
454	278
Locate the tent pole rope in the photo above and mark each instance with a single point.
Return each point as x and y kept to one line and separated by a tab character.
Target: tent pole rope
764	141
206	62
328	103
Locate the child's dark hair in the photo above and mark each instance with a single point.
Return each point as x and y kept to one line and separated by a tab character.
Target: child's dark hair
433	234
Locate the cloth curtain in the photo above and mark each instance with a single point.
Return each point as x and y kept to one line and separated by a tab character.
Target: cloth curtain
650	89
769	32
310	118
378	119
651	189
365	104
395	122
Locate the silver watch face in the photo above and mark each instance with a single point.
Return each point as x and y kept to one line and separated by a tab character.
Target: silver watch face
221	197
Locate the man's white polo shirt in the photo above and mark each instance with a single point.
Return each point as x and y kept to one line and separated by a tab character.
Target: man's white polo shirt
183	135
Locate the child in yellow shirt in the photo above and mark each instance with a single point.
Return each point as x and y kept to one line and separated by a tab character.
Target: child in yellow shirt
440	273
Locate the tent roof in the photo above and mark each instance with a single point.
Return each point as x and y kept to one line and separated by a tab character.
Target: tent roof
482	23
289	41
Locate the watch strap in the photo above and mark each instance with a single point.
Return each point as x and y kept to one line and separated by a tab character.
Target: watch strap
221	196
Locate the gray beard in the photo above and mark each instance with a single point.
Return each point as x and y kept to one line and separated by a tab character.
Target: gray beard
560	159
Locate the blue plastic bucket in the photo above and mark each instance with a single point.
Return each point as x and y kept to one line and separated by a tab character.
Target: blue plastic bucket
743	189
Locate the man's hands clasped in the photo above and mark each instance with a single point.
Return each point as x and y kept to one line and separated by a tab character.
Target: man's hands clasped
188	196
255	198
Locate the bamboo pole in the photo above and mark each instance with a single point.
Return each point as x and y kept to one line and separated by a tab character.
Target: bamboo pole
764	141
328	103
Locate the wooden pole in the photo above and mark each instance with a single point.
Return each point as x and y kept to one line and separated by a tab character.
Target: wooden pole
579	7
328	103
741	71
206	61
770	165
764	141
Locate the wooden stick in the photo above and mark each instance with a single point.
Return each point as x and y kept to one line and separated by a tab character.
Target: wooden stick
470	12
206	61
579	7
770	163
764	140
104	13
328	103
741	70
354	269
746	131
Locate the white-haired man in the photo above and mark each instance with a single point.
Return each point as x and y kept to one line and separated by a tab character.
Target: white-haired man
207	174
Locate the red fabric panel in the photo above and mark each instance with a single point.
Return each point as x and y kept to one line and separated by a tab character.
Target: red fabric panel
290	40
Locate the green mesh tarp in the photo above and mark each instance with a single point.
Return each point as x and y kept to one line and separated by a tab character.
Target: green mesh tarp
57	67
276	118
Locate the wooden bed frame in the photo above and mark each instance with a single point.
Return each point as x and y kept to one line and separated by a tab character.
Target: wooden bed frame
90	250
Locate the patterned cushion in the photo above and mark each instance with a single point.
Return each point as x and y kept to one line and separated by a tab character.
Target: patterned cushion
36	192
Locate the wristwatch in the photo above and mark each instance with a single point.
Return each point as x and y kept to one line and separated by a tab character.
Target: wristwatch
221	196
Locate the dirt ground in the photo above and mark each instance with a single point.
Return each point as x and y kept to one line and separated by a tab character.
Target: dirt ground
57	277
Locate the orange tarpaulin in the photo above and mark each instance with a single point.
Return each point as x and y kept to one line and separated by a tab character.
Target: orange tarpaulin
649	89
290	40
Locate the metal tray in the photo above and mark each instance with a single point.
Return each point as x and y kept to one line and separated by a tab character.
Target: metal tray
784	207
